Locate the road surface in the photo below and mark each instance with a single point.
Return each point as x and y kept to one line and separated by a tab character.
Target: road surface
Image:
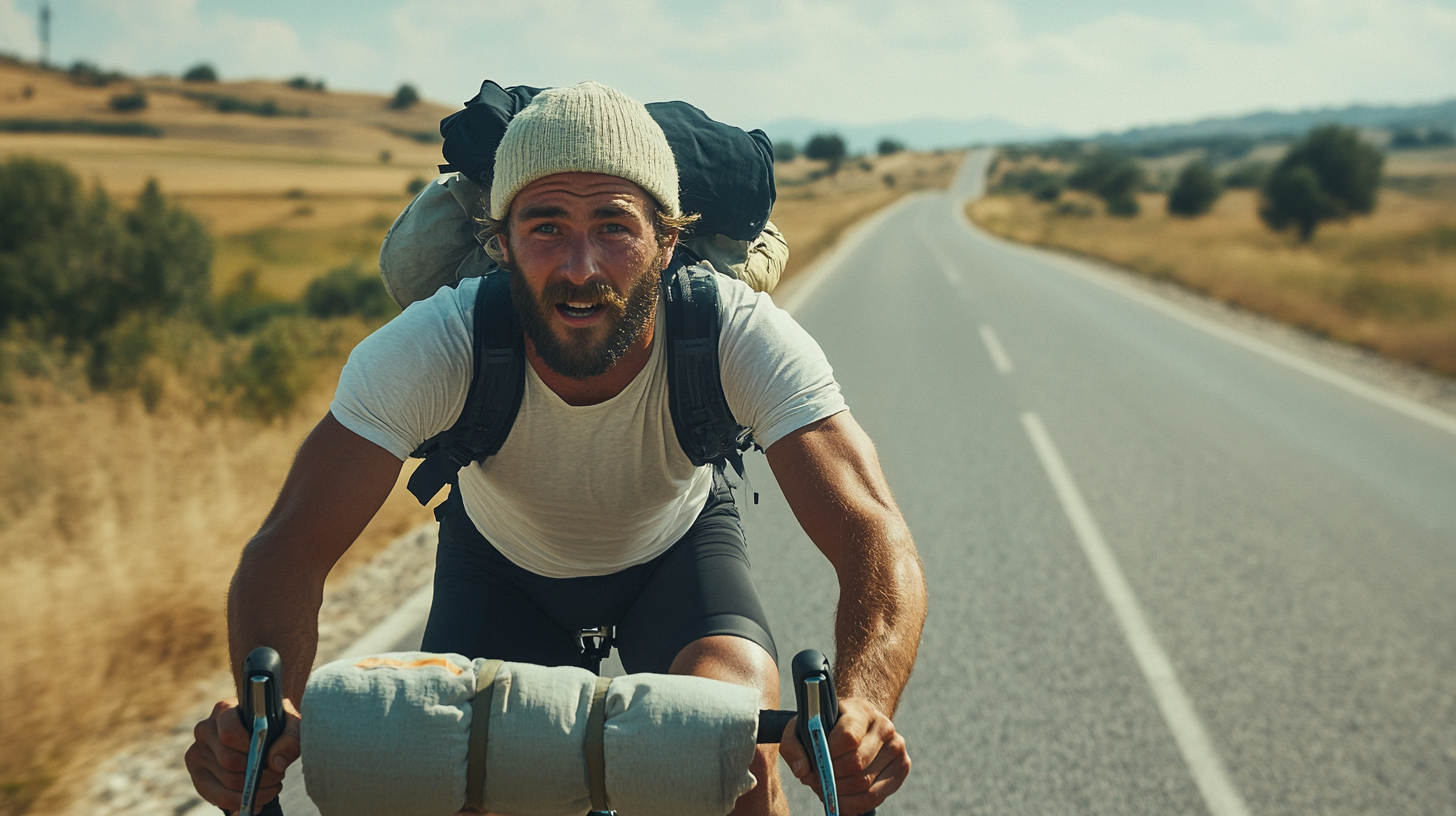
1172	570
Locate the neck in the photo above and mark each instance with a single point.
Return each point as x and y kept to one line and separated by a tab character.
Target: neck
602	387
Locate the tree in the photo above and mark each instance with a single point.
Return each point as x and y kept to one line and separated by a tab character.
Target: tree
785	151
1328	175
1195	191
888	147
73	266
828	147
404	97
134	101
1112	176
202	72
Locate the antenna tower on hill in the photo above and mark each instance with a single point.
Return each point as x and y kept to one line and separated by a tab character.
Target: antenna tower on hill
45	33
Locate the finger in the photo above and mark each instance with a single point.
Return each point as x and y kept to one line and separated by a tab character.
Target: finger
209	733
792	752
207	779
850	728
288	747
886	782
230	729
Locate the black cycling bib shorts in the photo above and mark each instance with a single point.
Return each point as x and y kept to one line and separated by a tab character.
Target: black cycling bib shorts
486	606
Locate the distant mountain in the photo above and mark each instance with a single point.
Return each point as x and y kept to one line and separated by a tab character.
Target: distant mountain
1273	123
917	134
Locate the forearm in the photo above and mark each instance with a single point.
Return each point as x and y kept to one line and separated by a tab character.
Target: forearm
336	484
275	603
877	625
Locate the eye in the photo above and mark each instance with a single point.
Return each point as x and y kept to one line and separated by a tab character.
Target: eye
545	229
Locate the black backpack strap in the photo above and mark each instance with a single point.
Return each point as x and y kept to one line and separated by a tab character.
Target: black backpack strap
705	426
498	380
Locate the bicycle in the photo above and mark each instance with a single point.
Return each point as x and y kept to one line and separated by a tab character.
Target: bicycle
817	709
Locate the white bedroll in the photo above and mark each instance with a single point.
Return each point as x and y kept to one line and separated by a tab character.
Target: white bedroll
408	734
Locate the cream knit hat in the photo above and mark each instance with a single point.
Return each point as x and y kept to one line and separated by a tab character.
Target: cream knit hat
587	128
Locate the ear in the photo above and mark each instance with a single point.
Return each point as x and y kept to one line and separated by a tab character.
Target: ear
668	247
503	246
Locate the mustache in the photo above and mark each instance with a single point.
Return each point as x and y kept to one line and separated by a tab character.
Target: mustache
592	292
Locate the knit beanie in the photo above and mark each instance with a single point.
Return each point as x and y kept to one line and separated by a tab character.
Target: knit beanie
586	128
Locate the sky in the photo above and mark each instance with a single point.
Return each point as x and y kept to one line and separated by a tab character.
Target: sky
1080	66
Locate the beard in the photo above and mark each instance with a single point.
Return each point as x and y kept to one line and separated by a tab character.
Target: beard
587	352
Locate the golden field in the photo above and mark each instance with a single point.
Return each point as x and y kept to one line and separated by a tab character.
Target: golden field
121	519
1386	282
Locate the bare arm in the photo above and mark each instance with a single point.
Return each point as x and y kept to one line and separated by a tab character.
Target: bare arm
337	483
831	477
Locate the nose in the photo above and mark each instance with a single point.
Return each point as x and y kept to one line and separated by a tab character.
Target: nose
582	263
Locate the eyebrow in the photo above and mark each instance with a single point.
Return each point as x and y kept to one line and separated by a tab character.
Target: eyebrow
611	211
542	211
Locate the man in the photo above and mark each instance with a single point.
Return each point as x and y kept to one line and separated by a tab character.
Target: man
591	514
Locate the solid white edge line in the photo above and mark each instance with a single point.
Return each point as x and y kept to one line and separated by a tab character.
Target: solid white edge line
801	289
994	348
1198	752
385	636
1404	405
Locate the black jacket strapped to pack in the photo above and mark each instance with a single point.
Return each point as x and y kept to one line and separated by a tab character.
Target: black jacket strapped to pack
725	175
704	423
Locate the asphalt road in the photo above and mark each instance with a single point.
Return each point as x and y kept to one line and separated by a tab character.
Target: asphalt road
1169	573
1171	570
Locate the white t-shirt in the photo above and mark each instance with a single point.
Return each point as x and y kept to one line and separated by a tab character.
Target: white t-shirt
581	490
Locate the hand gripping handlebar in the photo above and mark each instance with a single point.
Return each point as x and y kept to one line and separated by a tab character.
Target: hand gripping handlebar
260	706
818	710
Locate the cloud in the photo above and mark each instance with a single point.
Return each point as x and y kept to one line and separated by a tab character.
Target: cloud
855	61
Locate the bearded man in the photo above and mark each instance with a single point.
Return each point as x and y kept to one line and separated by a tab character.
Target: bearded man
591	514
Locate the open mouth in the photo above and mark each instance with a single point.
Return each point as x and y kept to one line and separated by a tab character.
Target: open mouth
578	311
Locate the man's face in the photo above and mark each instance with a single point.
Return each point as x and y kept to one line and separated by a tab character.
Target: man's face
583	256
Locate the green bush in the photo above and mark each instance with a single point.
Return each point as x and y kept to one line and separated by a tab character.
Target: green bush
79	126
415	185
245	308
1112	176
1042	186
404	97
828	147
345	291
303	83
134	101
201	72
889	147
1195	191
72	265
785	151
1330	174
269	374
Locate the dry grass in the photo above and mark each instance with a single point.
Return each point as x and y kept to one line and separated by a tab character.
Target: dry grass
1385	282
119	533
119	526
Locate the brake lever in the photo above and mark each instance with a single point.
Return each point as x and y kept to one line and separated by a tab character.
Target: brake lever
261	708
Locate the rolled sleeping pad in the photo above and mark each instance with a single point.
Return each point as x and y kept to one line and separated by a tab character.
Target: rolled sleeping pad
392	734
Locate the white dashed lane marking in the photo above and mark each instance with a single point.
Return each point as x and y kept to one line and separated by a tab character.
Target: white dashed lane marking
994	348
1188	731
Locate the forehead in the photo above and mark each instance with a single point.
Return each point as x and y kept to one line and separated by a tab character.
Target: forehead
584	190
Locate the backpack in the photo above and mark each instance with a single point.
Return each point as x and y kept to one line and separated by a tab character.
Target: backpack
706	429
724	174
